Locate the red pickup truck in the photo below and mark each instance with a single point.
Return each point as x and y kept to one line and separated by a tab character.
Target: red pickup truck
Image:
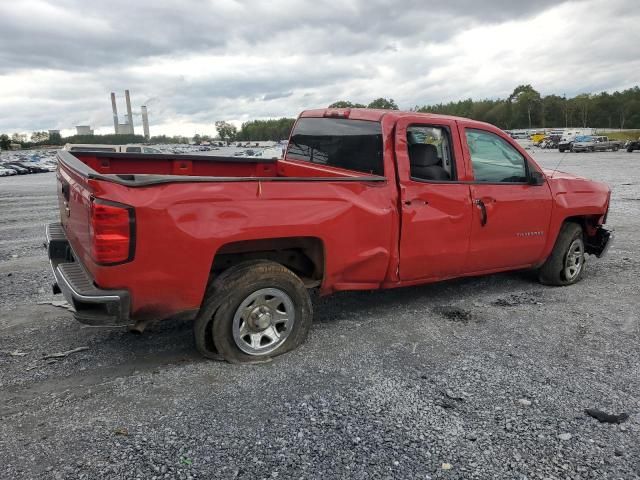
362	199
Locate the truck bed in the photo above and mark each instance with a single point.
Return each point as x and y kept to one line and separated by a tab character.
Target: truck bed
187	209
140	169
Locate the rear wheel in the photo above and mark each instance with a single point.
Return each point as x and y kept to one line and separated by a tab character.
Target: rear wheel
565	265
263	310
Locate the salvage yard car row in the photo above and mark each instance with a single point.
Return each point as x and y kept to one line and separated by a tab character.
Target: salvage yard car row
23	163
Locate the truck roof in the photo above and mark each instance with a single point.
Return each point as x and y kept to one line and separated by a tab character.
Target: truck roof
377	114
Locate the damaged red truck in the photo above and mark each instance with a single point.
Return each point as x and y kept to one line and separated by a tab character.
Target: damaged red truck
362	199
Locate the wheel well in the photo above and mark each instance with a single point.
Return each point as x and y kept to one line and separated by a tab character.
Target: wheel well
302	255
587	222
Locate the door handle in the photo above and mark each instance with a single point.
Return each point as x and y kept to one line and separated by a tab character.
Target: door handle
416	201
483	211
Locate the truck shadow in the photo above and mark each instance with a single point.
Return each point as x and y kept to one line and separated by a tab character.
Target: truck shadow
344	305
114	354
171	342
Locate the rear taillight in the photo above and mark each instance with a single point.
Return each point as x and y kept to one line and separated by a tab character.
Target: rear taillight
111	230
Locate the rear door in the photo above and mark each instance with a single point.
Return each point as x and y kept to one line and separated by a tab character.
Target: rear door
510	215
435	202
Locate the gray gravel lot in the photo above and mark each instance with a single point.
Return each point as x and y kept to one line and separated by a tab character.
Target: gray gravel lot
476	378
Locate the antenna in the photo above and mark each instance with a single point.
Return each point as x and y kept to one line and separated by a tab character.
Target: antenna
558	165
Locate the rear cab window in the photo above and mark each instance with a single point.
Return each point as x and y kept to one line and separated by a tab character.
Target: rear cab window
337	142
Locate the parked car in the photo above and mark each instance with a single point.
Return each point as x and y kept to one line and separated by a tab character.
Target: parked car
362	200
566	143
604	143
26	168
549	142
593	143
20	170
633	145
5	172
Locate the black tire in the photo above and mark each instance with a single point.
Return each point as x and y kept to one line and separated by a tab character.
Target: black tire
561	150
629	150
615	149
555	270
213	297
238	285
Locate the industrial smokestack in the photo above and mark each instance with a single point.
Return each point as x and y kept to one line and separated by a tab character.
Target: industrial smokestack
129	114
115	112
145	121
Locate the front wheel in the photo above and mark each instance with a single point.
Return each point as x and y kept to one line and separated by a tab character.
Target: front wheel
565	265
265	311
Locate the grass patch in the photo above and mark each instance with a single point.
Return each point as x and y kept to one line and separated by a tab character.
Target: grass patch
623	135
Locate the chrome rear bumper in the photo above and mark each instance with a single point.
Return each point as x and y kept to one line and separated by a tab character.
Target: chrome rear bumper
92	305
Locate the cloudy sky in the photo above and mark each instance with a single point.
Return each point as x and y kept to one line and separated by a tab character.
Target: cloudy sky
193	62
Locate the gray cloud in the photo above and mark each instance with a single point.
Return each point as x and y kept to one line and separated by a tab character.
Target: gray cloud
194	61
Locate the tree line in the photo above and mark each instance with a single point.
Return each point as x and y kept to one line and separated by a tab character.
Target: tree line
527	108
524	108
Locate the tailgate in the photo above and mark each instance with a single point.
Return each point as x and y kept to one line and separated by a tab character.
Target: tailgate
74	200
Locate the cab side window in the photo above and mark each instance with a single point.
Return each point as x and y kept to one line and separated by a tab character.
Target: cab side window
430	153
493	159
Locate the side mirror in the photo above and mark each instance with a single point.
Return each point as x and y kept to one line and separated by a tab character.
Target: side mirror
536	178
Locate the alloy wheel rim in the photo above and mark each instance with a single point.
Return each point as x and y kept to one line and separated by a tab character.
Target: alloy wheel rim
263	321
574	259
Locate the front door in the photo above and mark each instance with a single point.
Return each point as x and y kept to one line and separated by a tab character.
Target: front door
510	215
435	201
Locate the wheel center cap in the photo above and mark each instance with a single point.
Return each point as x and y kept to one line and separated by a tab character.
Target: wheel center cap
260	317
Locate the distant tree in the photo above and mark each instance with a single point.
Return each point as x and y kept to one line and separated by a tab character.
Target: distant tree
273	129
567	111
552	111
163	139
226	130
525	107
526	99
5	141
384	104
18	138
55	138
110	139
39	137
346	104
197	139
582	103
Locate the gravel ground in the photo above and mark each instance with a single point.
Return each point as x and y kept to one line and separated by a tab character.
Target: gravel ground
475	378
